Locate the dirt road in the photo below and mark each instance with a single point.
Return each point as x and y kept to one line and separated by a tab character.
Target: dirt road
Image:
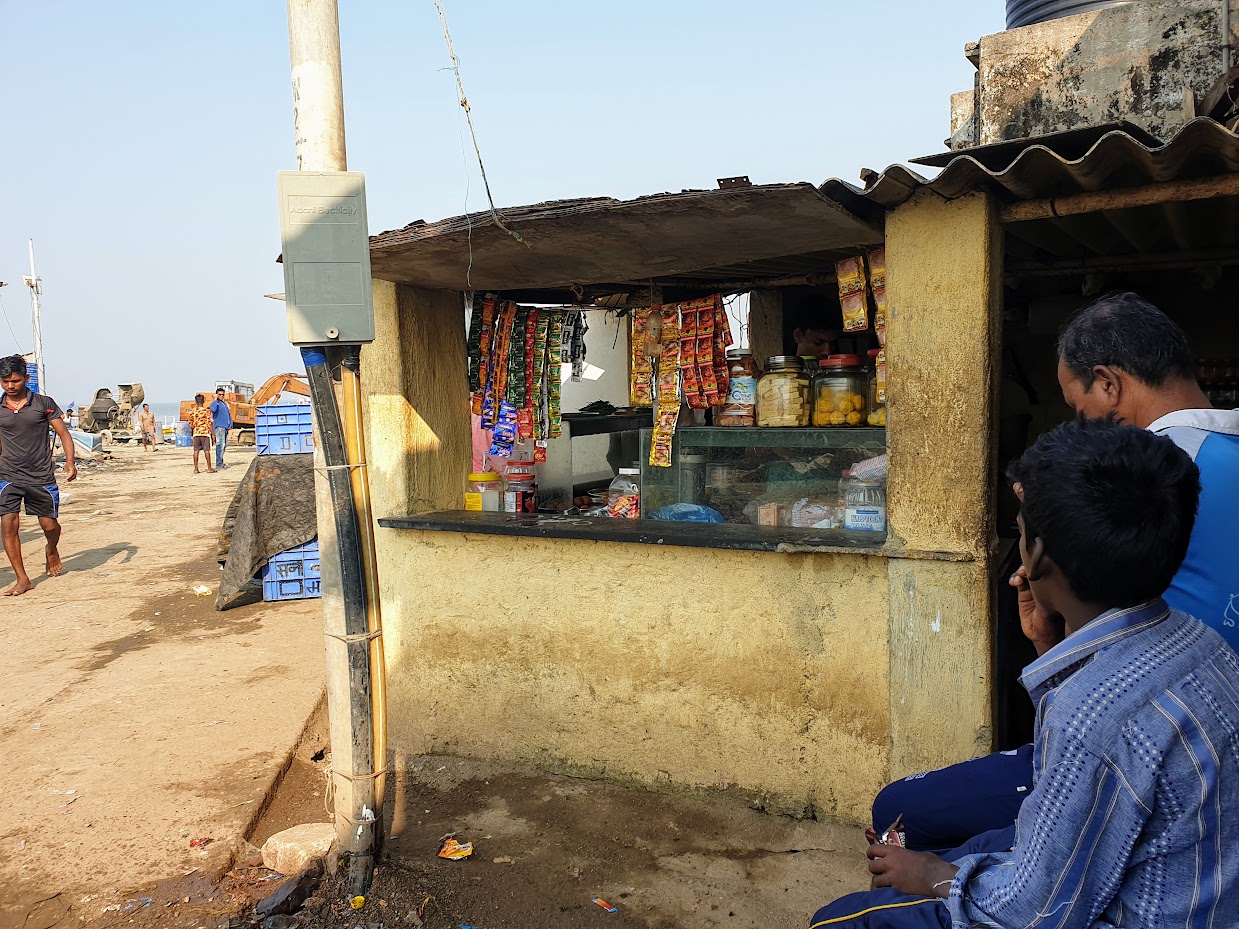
134	718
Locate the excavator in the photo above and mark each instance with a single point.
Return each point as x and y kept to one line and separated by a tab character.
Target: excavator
242	399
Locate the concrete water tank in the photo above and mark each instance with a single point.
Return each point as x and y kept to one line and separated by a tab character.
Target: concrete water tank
1027	12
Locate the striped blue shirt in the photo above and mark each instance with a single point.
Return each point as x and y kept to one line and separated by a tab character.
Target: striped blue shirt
1133	819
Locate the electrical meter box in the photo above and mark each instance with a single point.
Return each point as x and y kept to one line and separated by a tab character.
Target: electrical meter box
326	248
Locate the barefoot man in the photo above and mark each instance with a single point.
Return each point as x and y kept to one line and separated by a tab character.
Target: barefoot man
26	469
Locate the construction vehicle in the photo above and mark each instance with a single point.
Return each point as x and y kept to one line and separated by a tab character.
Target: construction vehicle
242	399
112	416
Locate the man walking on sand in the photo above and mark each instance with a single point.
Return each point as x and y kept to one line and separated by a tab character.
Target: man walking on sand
26	468
221	421
202	430
146	423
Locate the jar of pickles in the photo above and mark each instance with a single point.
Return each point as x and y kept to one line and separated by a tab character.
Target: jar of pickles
840	392
783	393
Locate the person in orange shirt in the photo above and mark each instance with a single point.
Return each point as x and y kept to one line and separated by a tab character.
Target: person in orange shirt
202	428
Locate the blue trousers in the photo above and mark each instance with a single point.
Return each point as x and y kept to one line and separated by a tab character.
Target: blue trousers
886	908
945	808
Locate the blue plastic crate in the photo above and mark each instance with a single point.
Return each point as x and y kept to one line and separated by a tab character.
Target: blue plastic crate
283	430
184	441
292	575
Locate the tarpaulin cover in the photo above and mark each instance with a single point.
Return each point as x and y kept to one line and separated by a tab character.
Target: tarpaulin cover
271	512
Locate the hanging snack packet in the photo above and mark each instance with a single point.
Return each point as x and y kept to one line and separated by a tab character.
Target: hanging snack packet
505	434
475	342
877	285
641	386
851	275
554	373
882	376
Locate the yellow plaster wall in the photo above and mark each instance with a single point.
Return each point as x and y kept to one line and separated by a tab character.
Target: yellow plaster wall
944	274
709	668
415	386
943	286
807	680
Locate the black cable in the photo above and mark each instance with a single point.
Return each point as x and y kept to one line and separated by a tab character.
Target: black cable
352	579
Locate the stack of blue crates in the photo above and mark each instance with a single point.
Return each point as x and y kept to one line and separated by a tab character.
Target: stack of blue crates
284	430
292	575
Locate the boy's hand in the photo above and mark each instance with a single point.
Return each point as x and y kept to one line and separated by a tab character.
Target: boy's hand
1044	630
916	873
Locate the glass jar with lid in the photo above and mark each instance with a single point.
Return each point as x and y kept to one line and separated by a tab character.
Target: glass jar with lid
783	393
741	406
840	391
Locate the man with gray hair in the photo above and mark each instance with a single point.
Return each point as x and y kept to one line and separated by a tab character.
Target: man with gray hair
1120	358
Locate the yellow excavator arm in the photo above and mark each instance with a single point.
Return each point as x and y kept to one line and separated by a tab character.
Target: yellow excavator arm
280	384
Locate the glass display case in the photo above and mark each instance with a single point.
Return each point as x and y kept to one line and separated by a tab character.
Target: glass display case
805	478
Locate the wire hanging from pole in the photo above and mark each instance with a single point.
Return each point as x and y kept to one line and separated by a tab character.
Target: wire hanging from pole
464	102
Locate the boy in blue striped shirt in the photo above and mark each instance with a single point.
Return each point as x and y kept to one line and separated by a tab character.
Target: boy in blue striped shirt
1136	753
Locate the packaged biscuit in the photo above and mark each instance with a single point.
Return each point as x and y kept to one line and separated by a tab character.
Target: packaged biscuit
855	312
851	275
877	286
852	297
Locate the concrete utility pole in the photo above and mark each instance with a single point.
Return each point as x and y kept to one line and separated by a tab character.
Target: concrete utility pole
36	312
318	92
354	661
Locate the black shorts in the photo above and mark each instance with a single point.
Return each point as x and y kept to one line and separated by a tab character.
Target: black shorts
41	501
202	443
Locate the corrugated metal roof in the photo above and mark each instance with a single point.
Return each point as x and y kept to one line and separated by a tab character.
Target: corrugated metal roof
1202	148
1204	230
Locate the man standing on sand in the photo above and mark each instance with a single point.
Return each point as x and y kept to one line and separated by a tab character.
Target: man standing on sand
221	421
146	423
26	468
200	426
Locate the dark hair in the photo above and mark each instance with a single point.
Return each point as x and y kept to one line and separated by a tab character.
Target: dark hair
13	364
198	398
219	390
1113	505
1127	332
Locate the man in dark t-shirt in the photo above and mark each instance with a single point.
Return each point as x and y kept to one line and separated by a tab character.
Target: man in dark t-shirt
26	469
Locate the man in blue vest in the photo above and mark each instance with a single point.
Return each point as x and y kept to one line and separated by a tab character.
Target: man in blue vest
1120	358
221	421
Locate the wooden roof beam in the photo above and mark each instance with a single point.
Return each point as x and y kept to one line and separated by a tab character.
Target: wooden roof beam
1226	185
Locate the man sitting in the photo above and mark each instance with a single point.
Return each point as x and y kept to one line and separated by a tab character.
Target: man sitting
1136	749
1121	357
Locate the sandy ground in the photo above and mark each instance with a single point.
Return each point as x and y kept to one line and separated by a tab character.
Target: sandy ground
134	718
171	722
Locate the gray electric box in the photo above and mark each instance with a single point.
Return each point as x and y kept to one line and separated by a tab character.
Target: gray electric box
326	257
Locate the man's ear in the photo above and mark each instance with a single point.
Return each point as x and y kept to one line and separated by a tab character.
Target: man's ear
1038	562
1109	380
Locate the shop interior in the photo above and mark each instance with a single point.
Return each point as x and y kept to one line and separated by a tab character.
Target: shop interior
665	413
1183	256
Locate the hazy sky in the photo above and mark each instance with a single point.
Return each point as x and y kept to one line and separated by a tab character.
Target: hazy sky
140	140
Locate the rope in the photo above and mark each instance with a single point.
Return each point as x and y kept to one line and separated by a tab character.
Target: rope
464	102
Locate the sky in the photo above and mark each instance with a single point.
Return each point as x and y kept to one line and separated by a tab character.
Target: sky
139	141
